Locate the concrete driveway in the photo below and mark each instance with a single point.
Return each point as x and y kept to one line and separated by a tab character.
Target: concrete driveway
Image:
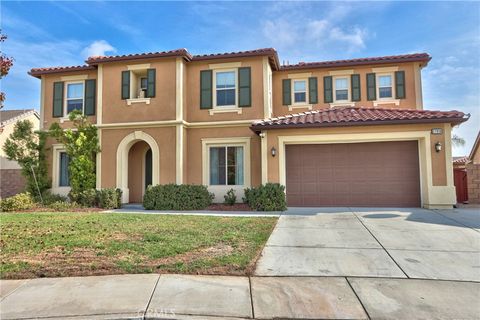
365	242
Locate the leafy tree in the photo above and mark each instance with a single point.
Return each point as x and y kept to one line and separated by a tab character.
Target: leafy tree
81	145
5	64
27	147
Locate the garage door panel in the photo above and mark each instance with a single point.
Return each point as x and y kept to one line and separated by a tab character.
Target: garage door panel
358	174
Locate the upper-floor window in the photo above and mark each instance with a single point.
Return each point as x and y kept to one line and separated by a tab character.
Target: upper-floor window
299	91
385	87
74	97
341	89
225	86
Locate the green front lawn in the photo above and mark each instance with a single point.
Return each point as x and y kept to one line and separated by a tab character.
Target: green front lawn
71	244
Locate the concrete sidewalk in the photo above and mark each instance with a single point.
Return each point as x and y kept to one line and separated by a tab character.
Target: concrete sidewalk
153	296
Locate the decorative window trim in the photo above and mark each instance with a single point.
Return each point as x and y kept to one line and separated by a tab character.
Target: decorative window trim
56	188
74	78
388	100
299	76
220	190
65	99
214	98
138	100
384	69
225	110
349	90
138	66
341	72
342	104
226	65
302	103
300	106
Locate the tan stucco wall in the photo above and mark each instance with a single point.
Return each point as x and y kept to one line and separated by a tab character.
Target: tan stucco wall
409	102
476	156
161	107
194	151
48	97
193	91
111	138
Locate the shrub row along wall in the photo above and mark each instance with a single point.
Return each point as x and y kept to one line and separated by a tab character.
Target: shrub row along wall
473	183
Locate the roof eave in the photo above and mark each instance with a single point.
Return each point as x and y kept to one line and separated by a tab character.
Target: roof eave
179	53
39	73
258	128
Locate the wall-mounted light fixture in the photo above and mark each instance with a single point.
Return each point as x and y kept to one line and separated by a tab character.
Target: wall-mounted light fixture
438	147
273	151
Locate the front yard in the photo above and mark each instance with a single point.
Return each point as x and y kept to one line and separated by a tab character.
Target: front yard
80	244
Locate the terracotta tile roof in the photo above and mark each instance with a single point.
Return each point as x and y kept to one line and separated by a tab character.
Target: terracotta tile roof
172	53
37	72
271	52
421	57
460	160
358	116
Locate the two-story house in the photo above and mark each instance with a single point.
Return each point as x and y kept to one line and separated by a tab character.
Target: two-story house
335	133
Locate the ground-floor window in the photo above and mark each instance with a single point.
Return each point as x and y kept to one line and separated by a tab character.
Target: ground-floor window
64	180
226	165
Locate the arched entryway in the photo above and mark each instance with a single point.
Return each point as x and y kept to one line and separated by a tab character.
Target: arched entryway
137	164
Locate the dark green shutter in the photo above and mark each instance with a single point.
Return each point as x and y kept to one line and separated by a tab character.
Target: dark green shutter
371	87
312	90
400	84
206	89
287	92
57	99
327	89
244	87
356	88
125	84
90	88
151	76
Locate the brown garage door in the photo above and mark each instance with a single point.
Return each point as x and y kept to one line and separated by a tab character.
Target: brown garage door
353	174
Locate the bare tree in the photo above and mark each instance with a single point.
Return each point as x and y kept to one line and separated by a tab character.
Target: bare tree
457	141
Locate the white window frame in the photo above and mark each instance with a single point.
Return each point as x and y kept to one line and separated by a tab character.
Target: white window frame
220	190
349	93
65	98
57	149
300	103
214	82
377	80
136	85
226	146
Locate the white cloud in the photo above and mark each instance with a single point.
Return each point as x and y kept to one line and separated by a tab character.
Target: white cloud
98	48
355	38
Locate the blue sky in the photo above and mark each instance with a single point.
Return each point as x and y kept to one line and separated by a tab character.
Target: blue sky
64	33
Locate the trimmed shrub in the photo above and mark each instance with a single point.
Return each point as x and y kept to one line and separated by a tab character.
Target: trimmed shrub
86	198
49	198
230	197
177	197
18	202
108	198
268	197
119	197
62	206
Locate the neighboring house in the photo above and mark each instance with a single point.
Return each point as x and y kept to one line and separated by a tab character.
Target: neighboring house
473	172
11	179
460	179
335	133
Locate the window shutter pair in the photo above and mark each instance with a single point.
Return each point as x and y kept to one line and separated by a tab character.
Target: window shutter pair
151	79
312	91
244	88
399	85
89	98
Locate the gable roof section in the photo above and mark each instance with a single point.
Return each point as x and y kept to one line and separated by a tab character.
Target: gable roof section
9	116
271	53
414	57
147	55
38	72
358	116
475	147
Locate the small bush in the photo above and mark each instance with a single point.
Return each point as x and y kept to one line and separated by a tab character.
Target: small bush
230	197
18	202
62	206
86	198
268	197
49	198
108	198
119	197
177	197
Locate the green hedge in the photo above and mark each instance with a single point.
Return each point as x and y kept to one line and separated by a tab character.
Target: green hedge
177	197
109	198
268	197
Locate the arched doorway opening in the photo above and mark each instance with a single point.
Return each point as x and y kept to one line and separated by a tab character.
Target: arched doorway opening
137	165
